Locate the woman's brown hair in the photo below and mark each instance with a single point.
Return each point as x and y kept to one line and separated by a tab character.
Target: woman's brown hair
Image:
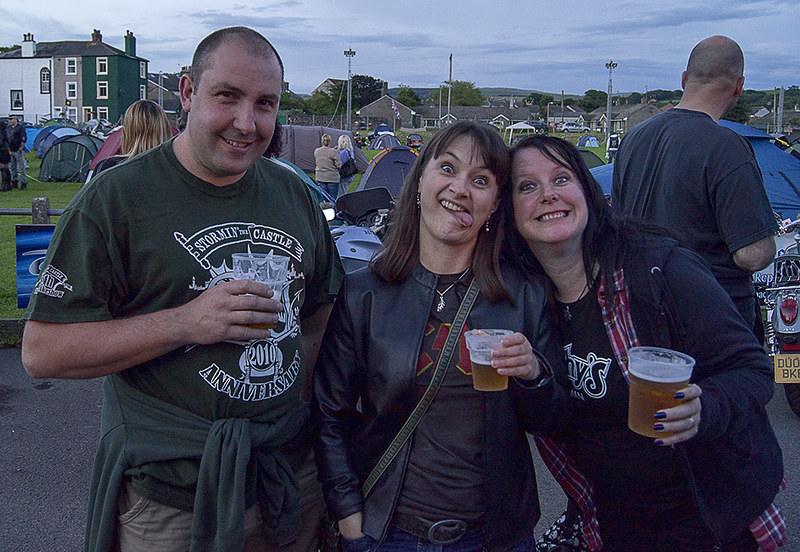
401	247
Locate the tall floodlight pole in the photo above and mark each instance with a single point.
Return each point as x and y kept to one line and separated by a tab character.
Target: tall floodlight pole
349	53
449	87
611	65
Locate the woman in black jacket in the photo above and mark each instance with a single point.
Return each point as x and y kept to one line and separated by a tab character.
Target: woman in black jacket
708	480
465	480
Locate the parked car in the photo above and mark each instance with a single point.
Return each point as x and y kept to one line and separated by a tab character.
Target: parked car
573	127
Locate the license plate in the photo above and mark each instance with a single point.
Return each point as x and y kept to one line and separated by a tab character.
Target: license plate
787	368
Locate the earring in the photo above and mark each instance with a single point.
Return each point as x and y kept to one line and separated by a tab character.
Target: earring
418	200
487	224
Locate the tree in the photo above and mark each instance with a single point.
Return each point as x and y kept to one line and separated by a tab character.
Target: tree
407	96
321	103
634	98
4	49
291	101
738	113
592	99
365	90
464	93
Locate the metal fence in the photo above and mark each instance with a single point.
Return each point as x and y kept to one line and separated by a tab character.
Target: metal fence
40	211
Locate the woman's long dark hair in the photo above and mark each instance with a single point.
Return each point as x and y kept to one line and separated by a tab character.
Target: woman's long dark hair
401	247
604	235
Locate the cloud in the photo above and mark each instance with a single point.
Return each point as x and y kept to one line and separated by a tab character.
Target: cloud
215	19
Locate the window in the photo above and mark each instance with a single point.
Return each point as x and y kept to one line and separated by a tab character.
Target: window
102	90
142	91
16	100
102	113
102	66
72	90
72	114
142	70
71	66
44	81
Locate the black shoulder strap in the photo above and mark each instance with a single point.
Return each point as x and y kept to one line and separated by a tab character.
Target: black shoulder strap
430	393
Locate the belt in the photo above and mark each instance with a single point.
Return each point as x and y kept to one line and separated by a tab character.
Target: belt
445	531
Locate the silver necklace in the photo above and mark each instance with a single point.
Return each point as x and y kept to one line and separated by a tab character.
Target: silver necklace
440	305
584	291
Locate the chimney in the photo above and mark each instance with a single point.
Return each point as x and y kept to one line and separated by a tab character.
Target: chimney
130	44
28	45
97	37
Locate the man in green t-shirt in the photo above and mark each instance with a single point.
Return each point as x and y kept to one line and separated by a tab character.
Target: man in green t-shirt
204	438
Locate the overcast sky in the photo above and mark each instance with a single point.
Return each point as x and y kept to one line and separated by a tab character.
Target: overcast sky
527	44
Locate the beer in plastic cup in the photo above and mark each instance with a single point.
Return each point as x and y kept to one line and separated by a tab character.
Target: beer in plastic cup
654	376
266	268
481	343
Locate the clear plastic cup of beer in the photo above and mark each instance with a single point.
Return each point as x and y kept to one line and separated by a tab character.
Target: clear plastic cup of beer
481	343
266	268
655	374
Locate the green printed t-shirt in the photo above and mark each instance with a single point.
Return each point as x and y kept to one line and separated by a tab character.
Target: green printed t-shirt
147	235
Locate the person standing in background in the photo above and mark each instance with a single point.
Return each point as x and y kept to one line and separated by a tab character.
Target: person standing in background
685	172
327	167
16	143
347	157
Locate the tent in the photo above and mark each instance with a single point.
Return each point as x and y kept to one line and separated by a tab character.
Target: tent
68	158
591	159
111	146
299	142
384	141
780	169
319	194
388	169
30	137
521	126
46	138
588	142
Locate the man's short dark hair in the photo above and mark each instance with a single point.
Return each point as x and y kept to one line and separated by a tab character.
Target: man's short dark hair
714	58
249	37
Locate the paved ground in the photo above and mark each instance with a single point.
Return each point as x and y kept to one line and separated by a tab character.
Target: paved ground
48	432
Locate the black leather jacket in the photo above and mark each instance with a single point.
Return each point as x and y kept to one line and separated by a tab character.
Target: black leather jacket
365	389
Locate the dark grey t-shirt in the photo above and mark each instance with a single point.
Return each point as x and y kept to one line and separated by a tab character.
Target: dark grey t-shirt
683	171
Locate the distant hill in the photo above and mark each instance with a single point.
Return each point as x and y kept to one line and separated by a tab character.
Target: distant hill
487	92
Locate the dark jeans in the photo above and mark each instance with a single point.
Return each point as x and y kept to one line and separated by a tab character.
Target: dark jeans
331	188
400	541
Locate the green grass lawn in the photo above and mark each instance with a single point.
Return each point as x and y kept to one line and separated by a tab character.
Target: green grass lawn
59	194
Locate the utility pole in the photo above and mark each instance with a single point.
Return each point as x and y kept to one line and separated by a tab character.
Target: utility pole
349	53
161	89
780	111
611	65
450	87
440	106
562	109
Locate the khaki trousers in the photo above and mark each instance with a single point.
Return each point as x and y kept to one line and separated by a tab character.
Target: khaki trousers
148	526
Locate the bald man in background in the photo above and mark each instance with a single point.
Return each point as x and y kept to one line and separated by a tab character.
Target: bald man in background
685	172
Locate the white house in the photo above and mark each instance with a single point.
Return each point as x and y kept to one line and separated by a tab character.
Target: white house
28	80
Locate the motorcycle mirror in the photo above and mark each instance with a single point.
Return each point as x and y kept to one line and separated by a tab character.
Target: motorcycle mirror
330	214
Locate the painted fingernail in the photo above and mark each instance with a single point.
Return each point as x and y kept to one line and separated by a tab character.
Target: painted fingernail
658	427
660	415
659	443
679	395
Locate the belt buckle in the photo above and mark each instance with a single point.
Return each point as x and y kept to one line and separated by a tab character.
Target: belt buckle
455	528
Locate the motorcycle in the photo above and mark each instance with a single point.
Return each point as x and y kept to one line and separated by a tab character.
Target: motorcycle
362	217
781	297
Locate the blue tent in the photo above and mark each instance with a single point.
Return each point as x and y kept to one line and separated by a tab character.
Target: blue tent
780	169
46	138
30	136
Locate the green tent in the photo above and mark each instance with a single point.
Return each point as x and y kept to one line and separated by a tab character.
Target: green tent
68	158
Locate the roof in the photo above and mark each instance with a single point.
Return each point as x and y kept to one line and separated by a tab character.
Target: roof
477	112
69	48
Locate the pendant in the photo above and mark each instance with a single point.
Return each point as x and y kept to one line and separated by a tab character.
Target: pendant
567	314
440	305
